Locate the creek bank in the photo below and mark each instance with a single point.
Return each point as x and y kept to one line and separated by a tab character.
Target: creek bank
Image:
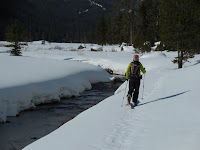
33	124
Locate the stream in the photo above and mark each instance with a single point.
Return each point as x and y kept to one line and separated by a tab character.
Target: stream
31	125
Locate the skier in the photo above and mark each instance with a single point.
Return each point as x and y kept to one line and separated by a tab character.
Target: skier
134	76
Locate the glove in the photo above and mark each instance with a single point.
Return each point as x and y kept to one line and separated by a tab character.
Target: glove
126	79
140	76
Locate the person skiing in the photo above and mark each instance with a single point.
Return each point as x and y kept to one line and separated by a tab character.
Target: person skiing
134	76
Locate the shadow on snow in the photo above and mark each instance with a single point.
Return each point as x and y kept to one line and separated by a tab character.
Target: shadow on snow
197	62
164	98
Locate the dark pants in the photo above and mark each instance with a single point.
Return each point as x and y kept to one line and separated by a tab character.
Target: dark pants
134	86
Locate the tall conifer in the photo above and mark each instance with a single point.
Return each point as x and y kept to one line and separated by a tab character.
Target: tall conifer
177	22
16	34
101	31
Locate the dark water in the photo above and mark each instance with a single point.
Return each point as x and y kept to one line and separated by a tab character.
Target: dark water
34	124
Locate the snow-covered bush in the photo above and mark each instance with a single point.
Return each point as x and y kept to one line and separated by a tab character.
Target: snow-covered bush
58	47
113	50
146	47
160	47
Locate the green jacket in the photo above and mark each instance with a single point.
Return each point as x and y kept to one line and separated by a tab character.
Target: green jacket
128	70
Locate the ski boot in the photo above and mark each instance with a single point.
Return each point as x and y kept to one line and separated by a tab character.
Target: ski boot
129	99
135	104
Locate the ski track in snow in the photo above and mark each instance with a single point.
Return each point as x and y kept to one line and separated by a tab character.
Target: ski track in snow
125	133
122	136
130	130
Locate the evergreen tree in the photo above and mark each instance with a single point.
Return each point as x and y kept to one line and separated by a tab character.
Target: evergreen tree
121	25
195	29
152	33
177	22
114	24
101	31
139	39
16	34
147	25
126	17
113	33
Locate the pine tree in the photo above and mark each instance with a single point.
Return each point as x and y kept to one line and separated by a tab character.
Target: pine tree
114	24
114	28
177	22
195	29
139	40
152	34
101	31
121	25
15	34
142	23
147	23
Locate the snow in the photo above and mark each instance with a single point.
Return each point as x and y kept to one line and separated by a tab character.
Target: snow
167	117
83	11
27	81
94	3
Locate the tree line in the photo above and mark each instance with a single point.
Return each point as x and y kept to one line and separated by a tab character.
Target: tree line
59	20
175	23
142	23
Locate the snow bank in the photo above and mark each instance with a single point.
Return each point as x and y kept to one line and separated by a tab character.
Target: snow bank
166	119
26	82
111	57
122	88
154	54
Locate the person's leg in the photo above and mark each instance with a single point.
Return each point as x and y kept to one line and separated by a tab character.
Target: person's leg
130	91
136	92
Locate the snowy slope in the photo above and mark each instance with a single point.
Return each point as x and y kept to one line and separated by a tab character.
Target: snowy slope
167	118
26	81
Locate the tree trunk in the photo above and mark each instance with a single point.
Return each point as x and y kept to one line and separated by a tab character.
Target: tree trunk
179	55
180	59
131	35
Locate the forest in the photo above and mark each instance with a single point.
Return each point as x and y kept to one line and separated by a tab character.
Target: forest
59	20
174	23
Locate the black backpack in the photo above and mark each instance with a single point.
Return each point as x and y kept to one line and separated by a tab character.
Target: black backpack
135	69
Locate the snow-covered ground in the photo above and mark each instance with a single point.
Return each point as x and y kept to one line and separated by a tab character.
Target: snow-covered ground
167	117
28	81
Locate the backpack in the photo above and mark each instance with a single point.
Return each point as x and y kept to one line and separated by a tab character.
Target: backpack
135	69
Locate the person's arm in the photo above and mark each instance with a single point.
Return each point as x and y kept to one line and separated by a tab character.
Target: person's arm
128	71
142	68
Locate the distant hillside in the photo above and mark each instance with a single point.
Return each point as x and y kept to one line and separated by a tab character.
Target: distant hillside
60	20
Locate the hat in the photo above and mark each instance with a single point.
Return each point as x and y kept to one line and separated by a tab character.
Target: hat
136	58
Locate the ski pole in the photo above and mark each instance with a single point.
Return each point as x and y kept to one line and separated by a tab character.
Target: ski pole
124	94
143	88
